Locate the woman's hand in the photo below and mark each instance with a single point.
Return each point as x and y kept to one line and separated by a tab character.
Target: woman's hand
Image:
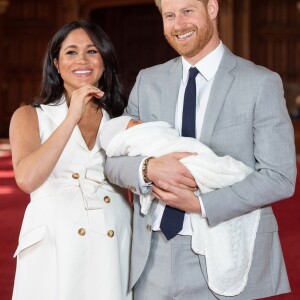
79	100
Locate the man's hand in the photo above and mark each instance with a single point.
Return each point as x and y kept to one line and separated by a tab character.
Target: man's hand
168	168
181	198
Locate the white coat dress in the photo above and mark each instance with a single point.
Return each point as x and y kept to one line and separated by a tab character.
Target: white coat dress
75	238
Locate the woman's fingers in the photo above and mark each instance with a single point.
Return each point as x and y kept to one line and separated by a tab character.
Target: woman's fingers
87	92
79	100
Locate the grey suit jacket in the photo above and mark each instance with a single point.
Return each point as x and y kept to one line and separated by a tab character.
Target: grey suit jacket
246	118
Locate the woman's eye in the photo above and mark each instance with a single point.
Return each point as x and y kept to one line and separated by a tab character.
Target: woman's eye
92	51
71	52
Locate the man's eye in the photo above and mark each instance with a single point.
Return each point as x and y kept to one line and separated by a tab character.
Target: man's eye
169	16
187	11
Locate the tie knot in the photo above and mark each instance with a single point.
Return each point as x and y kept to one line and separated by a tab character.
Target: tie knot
193	72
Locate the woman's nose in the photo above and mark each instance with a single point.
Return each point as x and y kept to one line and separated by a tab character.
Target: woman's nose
81	58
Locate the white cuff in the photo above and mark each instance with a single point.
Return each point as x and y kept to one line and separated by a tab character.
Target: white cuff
203	214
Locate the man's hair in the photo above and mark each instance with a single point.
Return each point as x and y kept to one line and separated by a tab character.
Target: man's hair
158	3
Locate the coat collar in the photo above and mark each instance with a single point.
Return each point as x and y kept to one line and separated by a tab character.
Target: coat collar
221	85
57	113
170	91
222	82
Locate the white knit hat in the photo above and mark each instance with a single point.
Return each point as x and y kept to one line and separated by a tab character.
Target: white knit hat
111	128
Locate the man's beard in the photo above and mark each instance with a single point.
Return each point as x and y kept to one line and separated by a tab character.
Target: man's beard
193	47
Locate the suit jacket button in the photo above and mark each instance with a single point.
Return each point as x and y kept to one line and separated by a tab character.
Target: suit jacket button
81	231
110	233
106	199
149	227
75	175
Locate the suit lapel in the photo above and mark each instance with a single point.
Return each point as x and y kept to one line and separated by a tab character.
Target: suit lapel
170	91
57	113
220	87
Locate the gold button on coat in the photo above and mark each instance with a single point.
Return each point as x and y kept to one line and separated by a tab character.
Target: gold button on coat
75	175
149	227
110	233
106	199
81	231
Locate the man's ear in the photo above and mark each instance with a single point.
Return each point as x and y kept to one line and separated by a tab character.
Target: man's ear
213	9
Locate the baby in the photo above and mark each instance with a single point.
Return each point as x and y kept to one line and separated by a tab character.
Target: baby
225	260
126	136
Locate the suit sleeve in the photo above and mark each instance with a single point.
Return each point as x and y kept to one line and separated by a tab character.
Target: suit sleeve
123	171
274	156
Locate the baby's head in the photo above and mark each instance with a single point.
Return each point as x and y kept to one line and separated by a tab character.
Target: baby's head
133	122
114	126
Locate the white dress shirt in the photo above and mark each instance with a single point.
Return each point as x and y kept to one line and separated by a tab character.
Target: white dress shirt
207	67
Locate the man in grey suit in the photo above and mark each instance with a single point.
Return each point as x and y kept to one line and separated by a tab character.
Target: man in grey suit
240	111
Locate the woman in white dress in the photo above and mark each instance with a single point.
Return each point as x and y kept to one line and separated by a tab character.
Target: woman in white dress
75	238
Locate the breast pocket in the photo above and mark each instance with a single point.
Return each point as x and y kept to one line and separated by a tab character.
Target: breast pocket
233	136
231	121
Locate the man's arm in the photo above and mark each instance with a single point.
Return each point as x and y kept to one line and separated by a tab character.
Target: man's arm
274	154
124	172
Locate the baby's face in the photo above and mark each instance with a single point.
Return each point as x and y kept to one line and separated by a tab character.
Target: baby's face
133	122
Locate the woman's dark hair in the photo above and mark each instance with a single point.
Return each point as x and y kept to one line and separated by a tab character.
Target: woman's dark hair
52	89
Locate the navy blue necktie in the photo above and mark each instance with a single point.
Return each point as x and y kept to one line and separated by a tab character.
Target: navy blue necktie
172	219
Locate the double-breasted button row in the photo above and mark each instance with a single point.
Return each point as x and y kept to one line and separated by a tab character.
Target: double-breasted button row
82	232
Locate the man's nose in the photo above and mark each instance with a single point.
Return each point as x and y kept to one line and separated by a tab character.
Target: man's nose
179	22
